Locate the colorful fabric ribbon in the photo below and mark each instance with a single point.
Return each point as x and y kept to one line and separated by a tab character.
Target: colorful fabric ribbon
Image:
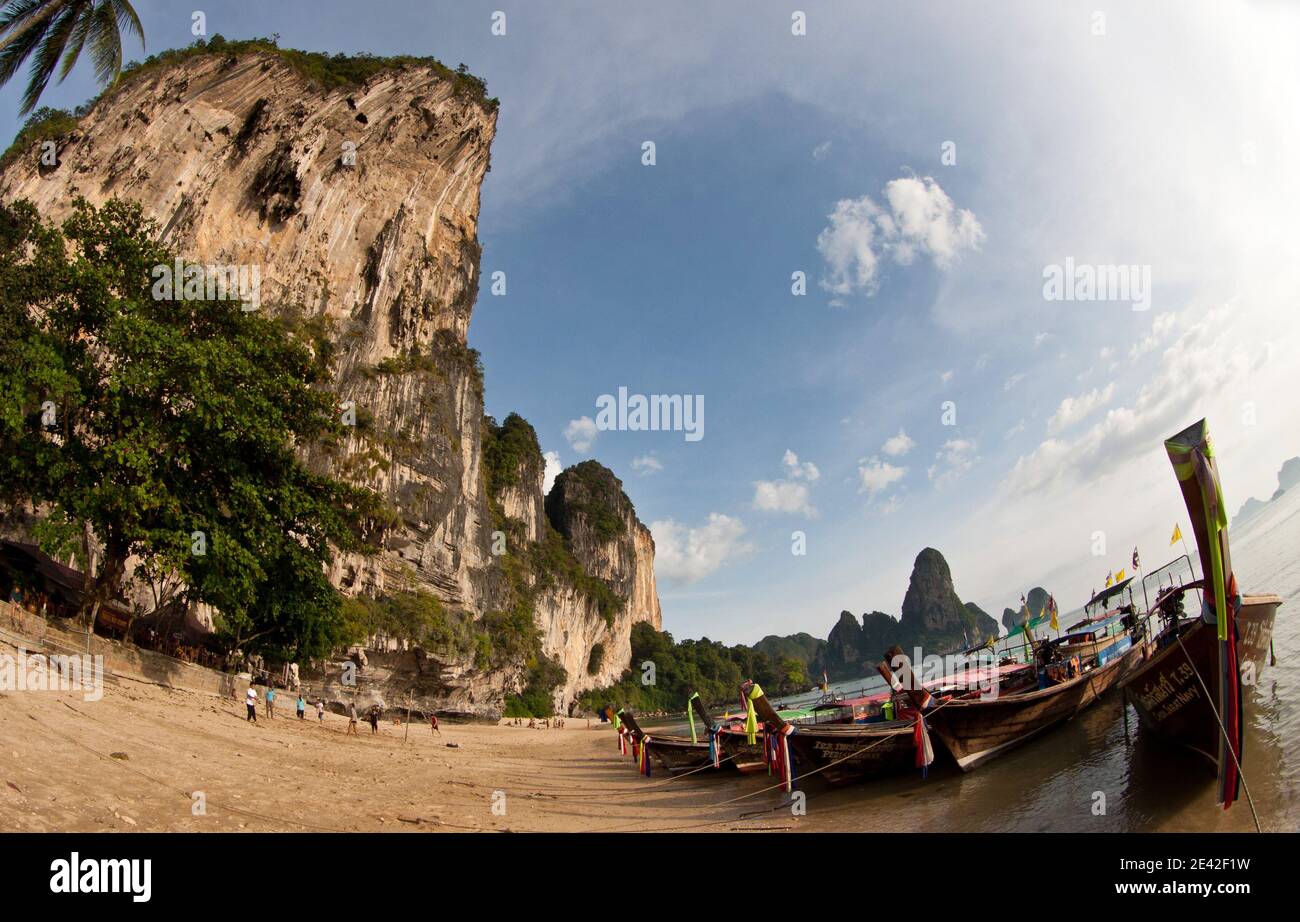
690	715
751	719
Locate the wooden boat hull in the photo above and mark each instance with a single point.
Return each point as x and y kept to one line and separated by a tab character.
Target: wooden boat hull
978	730
678	754
1165	690
747	758
855	752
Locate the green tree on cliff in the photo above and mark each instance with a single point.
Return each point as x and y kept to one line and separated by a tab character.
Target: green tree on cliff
170	429
47	30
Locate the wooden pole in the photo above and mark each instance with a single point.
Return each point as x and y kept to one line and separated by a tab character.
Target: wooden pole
407	734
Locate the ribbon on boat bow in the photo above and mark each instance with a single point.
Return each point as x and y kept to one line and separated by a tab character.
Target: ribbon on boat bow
715	748
643	757
751	719
920	740
776	751
690	715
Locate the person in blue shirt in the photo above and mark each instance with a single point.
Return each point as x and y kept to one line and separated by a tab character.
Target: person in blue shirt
270	702
302	707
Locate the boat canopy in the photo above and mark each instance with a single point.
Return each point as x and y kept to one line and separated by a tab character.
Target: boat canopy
1106	595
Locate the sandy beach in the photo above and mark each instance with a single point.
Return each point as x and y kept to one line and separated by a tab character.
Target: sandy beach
131	761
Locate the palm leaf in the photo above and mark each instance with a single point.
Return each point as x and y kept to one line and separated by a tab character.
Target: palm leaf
47	56
105	43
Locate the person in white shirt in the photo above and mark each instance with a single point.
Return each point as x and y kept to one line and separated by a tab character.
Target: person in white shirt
251	700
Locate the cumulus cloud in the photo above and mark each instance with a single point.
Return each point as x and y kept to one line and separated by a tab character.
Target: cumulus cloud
875	475
581	433
550	470
822	150
1076	409
791	495
647	464
955	458
918	219
782	496
800	471
684	554
898	445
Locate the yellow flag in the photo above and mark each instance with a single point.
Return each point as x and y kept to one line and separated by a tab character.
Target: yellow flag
1109	579
1119	577
1051	605
1178	534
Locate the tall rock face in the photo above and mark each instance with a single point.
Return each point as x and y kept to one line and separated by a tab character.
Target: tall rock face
358	205
615	589
1035	604
931	609
845	653
983	624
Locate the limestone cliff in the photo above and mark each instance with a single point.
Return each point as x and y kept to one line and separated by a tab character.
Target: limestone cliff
357	200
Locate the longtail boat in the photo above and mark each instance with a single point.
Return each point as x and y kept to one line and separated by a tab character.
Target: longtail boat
681	754
1190	689
1070	677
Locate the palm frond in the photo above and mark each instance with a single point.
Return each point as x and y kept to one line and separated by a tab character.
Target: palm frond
126	19
105	43
47	57
19	16
75	42
14	53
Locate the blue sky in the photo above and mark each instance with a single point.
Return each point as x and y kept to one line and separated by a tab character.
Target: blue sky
1159	137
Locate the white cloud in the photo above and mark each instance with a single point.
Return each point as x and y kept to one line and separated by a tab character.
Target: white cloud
800	471
1161	326
1012	381
945	377
822	150
1076	409
1040	338
685	555
647	464
1016	429
581	433
955	458
782	496
1199	364
551	470
920	220
876	475
898	445
788	495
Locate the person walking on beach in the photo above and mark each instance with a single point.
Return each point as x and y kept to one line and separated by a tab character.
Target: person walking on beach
433	724
302	706
374	719
270	702
251	701
352	718
320	709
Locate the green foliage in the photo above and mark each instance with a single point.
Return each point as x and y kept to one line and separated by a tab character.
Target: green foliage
712	669
170	417
60	537
42	125
507	450
544	674
590	491
418	617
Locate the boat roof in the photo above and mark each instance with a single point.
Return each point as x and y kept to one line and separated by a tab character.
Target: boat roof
1107	594
852	702
1094	628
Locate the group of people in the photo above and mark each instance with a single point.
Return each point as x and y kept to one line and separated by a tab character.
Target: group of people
373	713
547	723
268	699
